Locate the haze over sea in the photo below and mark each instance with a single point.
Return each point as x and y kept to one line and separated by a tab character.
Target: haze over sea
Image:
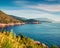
48	33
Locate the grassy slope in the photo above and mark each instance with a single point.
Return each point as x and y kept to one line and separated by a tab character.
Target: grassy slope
10	40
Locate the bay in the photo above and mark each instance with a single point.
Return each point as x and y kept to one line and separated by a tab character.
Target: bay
48	33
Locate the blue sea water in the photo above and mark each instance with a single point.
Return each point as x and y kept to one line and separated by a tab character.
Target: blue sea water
48	33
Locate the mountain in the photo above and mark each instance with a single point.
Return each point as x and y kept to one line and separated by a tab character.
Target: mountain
32	21
27	21
44	20
4	18
19	18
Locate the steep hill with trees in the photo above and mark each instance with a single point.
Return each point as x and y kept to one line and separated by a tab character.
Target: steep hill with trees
4	18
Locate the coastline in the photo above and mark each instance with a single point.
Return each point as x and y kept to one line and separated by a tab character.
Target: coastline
2	25
41	44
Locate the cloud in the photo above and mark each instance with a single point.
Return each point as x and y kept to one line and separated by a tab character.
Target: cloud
34	5
51	8
32	14
32	10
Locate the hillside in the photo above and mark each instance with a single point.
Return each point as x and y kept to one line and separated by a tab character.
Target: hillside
10	40
27	21
32	21
4	18
19	18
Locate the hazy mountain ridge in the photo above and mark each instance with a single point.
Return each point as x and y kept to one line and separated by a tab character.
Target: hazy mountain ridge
31	21
28	21
44	20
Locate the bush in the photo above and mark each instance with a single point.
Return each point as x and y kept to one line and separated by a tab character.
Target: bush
54	46
10	40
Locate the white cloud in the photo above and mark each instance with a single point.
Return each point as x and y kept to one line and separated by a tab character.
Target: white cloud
32	14
51	8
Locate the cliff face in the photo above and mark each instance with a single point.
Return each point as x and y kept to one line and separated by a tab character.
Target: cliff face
4	18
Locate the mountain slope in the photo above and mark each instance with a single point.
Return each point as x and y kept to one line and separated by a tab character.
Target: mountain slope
27	21
19	18
32	21
4	18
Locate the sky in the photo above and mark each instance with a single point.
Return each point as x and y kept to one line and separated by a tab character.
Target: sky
32	8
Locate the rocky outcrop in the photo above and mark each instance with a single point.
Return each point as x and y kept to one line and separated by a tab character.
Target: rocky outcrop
41	44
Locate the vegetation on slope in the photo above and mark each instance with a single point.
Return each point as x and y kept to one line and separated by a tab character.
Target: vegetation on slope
19	18
10	40
28	21
4	18
32	21
54	46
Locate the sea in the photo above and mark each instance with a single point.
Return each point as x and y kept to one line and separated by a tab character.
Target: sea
48	33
